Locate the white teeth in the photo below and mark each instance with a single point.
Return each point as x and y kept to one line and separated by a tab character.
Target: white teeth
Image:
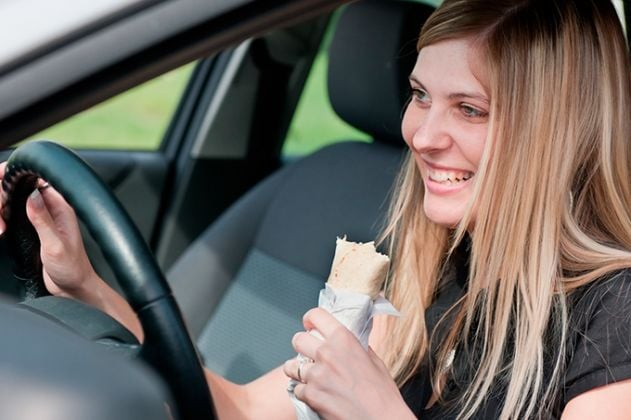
439	176
448	177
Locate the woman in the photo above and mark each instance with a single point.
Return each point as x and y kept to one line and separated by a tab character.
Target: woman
513	277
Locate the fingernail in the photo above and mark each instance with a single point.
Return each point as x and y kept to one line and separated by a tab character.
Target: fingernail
36	199
43	186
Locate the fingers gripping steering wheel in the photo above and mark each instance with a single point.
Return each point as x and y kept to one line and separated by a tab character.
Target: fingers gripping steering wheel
167	346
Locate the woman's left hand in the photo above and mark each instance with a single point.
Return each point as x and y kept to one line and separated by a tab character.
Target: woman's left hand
344	381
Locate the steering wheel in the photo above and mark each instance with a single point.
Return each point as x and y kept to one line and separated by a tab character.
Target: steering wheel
167	345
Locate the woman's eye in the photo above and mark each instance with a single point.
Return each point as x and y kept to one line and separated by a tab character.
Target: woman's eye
420	95
472	112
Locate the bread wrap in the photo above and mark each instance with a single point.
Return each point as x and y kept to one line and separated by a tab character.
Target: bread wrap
352	296
358	268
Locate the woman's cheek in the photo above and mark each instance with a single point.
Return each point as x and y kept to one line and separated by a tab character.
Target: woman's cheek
408	125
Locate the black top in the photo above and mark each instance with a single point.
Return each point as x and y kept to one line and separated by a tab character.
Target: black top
599	346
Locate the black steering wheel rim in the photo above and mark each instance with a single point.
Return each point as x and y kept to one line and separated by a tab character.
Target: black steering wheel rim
167	345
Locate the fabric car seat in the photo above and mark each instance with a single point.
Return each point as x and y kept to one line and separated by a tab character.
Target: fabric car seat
246	282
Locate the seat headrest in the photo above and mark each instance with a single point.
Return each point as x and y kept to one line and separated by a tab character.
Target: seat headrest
371	56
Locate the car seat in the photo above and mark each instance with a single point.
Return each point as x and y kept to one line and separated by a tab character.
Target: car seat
247	280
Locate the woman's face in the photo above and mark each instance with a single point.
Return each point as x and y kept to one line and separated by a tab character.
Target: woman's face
445	126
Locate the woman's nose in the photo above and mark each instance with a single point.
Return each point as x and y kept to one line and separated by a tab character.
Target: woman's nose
431	134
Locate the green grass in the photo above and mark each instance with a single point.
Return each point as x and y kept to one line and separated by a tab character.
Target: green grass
134	120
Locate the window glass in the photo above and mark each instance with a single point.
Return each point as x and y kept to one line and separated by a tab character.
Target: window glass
134	120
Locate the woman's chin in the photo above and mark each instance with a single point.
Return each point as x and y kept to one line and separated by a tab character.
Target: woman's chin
447	217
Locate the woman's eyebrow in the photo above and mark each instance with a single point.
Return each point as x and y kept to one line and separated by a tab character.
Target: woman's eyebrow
456	95
468	95
414	79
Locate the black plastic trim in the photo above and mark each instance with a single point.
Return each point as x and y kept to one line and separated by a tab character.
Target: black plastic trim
78	34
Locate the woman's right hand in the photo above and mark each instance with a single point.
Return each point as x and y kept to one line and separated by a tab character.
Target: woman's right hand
343	380
67	271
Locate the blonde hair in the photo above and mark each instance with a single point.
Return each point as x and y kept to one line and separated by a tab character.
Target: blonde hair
552	198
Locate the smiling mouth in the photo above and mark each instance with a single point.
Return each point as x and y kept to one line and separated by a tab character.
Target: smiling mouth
449	177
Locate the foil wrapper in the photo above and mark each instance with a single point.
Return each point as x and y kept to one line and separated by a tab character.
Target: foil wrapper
353	310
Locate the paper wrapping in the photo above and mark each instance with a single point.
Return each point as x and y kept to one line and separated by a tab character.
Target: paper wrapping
351	295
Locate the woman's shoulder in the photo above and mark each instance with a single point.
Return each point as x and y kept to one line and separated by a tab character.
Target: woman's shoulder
613	290
599	347
602	303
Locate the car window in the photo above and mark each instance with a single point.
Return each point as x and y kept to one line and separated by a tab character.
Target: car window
134	120
315	124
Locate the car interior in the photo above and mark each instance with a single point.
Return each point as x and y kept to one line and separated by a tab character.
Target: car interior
245	282
246	238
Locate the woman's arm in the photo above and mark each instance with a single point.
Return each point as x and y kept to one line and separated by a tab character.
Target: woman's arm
612	402
263	398
267	397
